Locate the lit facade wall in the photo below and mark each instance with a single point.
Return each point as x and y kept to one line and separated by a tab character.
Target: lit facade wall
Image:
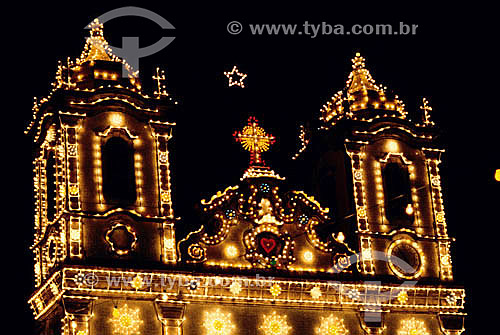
266	261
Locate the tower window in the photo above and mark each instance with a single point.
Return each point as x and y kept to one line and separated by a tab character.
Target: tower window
397	193
50	175
118	173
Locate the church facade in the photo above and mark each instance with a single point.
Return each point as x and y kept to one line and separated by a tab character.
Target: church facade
369	255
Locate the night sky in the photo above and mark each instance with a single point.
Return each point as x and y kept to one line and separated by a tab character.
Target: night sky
289	79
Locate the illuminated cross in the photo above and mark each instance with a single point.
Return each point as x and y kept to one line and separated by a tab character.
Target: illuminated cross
235	77
427	111
160	77
254	139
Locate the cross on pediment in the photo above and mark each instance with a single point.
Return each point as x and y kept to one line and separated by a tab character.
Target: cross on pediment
254	139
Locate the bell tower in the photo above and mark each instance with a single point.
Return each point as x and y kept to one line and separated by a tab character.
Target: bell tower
101	166
379	171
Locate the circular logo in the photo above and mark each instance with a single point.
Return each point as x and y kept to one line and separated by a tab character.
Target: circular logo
90	279
234	27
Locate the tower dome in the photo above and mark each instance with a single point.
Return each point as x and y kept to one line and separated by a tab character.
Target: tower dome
362	98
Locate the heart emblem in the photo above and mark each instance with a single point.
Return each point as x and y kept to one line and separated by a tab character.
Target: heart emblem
268	244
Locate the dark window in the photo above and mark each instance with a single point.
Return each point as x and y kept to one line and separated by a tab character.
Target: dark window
397	193
50	175
328	189
118	175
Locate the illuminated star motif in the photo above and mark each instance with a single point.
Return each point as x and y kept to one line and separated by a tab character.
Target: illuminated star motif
412	327
218	323
402	297
253	138
332	326
235	288
353	294
275	290
79	278
315	292
235	77
137	282
451	299
126	321
275	325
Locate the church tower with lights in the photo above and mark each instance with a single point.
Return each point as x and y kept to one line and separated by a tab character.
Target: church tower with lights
369	255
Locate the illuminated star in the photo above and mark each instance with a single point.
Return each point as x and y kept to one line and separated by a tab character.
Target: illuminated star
332	326
126	321
218	323
235	77
315	292
275	324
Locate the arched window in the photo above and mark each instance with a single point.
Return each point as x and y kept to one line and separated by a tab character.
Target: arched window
118	173
50	175
397	193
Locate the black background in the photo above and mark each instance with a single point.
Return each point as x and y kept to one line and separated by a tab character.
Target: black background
451	61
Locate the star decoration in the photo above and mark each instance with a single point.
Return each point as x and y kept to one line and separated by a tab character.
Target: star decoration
451	299
275	290
126	321
79	279
332	326
353	294
315	292
218	323
412	327
402	297
235	288
137	282
275	325
235	77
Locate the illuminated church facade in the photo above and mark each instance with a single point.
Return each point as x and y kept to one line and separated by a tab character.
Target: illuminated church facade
369	255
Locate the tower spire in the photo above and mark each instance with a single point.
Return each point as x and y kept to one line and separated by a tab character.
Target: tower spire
360	78
97	48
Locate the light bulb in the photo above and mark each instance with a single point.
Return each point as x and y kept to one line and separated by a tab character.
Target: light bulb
409	209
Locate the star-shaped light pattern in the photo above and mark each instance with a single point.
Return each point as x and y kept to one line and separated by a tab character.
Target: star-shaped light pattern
275	289
79	278
235	287
315	292
331	326
275	324
402	297
137	282
451	299
235	77
353	294
126	321
413	327
218	323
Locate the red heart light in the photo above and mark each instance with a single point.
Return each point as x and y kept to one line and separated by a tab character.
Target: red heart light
268	244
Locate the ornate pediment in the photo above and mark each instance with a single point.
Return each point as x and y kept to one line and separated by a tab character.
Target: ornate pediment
262	224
